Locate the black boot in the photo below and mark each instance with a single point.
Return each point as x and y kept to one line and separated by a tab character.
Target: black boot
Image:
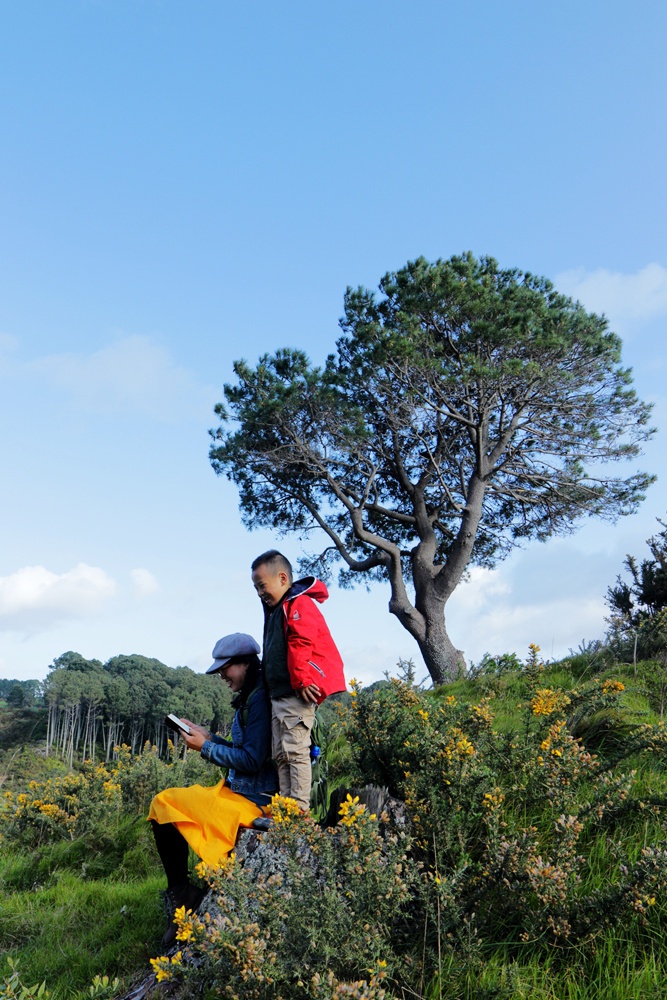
184	894
262	823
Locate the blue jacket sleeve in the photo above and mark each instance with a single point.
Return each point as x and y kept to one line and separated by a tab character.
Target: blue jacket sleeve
214	738
253	752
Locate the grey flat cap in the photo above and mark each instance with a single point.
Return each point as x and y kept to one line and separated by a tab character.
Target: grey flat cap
232	647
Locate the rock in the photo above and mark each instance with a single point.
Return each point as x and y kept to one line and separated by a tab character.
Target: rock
377	800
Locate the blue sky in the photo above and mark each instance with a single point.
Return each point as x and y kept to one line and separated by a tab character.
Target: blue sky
185	184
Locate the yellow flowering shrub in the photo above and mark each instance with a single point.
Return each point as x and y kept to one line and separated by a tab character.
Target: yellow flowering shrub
284	809
351	811
317	921
505	819
547	702
65	804
165	967
611	685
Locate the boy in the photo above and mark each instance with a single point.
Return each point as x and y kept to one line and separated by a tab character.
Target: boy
301	666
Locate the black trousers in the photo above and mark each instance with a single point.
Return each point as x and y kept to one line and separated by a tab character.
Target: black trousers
173	850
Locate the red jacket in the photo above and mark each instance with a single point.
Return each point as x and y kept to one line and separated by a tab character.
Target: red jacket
312	656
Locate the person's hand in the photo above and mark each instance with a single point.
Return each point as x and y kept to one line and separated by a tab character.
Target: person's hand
310	693
196	739
197	729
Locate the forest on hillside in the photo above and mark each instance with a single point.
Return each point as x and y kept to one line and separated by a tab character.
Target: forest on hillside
92	707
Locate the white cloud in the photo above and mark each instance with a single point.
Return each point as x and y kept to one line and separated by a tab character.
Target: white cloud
556	626
144	582
34	598
131	374
481	586
560	623
628	300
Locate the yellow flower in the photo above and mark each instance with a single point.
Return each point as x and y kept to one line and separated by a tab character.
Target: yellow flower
547	701
350	810
423	715
482	712
160	968
202	870
111	788
49	809
284	809
459	746
494	799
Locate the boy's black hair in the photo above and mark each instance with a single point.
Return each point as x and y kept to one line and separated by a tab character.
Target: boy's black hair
274	560
252	679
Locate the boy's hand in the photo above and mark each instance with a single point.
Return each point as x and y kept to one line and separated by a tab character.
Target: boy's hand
310	693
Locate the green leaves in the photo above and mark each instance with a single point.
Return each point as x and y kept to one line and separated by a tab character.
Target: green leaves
464	409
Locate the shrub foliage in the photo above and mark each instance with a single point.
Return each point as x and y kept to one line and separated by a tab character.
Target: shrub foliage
536	807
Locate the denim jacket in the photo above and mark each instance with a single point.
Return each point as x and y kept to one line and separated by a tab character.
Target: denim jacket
247	756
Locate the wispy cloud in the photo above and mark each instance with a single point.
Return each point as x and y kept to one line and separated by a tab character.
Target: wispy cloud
628	300
34	598
144	582
481	587
555	626
132	373
494	612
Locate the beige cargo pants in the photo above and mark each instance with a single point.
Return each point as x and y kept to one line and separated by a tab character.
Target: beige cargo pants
291	722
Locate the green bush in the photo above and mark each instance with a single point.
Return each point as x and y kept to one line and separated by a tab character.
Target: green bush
512	825
64	804
322	923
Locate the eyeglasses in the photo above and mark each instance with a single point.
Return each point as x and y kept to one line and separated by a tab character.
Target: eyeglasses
232	663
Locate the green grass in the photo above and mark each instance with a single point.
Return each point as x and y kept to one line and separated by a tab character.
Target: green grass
124	851
71	910
74	930
630	975
74	909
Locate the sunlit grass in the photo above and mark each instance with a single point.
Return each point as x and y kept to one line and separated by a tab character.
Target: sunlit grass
74	930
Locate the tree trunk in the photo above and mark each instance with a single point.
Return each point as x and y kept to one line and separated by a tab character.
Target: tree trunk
443	660
426	624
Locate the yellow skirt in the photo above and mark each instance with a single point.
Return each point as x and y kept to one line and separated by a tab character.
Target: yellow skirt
208	818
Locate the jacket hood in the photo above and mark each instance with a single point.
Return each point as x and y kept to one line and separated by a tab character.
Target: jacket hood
309	585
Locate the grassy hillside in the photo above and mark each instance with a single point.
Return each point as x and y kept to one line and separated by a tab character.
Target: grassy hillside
538	865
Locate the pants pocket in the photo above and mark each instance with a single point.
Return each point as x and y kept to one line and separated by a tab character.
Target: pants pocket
296	735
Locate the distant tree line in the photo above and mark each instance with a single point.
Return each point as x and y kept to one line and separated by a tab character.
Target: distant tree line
21	694
94	706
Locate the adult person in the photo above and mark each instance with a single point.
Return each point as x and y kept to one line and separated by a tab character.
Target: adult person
208	819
